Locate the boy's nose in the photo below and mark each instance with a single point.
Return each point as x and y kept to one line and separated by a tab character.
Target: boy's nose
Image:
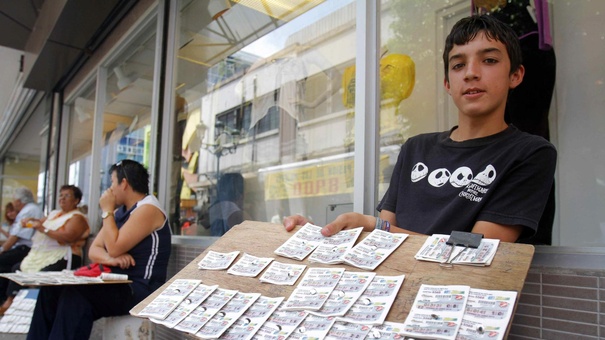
472	71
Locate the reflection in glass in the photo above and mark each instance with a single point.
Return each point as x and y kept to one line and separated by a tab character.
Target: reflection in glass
263	125
127	116
79	148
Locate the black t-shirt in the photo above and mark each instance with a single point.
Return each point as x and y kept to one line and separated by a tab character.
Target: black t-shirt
440	185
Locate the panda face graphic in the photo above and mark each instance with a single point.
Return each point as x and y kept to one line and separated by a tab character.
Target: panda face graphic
419	171
461	177
439	177
485	177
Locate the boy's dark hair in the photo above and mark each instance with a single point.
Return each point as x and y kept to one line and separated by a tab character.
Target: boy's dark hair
74	190
467	29
135	173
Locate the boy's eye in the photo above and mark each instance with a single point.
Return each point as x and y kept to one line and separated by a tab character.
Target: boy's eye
457	66
491	61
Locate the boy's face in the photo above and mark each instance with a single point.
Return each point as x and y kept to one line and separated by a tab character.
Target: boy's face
479	77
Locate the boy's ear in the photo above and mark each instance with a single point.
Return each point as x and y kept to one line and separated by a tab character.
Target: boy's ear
517	77
446	84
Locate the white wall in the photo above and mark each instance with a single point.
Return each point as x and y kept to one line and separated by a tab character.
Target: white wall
9	69
579	40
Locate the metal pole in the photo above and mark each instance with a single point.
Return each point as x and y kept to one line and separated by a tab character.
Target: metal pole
218	166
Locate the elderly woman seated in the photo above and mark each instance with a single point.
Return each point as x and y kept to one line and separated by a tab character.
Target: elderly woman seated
58	242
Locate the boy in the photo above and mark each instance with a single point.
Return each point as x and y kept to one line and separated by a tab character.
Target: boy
483	175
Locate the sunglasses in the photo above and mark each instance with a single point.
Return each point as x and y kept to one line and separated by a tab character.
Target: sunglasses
121	166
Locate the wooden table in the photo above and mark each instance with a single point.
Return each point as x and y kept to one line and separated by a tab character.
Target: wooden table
507	271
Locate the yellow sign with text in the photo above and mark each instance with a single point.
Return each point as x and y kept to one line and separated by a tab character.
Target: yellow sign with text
319	180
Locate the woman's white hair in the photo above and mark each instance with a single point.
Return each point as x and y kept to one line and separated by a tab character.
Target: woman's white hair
24	195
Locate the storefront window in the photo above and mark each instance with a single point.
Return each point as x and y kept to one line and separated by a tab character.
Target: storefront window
263	119
79	147
127	116
570	116
413	99
19	171
579	133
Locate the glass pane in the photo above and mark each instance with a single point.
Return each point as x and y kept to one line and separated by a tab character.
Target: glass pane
127	116
79	148
20	170
413	100
579	33
265	122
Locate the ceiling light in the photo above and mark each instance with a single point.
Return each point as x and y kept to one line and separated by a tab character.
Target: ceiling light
217	8
81	114
123	79
83	108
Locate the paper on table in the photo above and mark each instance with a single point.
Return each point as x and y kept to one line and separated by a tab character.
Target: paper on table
280	324
227	316
249	265
58	278
190	303
113	277
348	290
253	318
435	249
313	327
487	314
302	243
200	315
280	273
374	304
314	289
346	330
482	256
388	330
169	298
374	249
217	261
331	249
437	312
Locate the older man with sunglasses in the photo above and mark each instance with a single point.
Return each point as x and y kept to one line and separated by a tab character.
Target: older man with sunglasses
19	242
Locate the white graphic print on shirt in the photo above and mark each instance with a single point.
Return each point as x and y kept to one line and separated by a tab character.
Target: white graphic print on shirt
475	187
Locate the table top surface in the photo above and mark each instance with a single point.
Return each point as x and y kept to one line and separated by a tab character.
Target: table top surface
507	272
55	278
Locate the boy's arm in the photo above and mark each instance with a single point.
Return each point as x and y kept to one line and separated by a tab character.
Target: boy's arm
386	215
505	233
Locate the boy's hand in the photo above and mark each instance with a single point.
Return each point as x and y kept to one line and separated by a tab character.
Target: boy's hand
348	221
343	221
292	221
